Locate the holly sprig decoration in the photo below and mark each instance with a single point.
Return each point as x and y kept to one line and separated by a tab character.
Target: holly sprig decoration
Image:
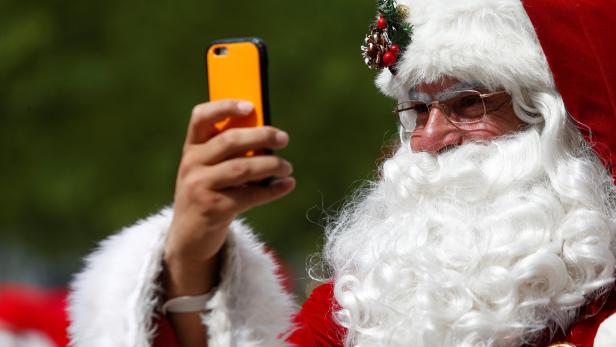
388	37
398	29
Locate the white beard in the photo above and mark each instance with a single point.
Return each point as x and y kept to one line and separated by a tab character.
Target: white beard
474	247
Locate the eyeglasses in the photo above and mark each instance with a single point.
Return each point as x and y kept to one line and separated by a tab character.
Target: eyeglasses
461	108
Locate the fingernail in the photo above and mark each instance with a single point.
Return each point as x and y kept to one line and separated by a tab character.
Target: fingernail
282	137
288	167
245	107
284	182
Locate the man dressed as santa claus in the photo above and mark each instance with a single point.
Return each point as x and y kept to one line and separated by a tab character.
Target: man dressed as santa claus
492	224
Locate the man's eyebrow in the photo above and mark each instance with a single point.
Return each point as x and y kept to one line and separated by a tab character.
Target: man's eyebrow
473	85
420	96
425	97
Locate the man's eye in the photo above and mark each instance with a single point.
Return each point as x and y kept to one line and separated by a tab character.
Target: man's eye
469	101
420	108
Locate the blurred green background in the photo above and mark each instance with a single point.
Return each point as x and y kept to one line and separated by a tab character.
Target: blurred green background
95	101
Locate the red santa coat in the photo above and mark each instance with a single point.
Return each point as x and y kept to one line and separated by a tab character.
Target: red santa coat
317	328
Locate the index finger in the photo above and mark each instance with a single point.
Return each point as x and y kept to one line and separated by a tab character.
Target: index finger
204	116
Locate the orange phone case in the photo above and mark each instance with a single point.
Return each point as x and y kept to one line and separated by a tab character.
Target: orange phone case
237	69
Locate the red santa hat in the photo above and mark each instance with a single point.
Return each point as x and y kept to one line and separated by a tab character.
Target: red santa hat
580	46
564	46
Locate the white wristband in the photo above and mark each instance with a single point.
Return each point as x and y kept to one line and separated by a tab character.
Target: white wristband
185	304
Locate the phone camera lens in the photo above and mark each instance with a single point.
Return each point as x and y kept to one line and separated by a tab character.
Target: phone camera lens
220	51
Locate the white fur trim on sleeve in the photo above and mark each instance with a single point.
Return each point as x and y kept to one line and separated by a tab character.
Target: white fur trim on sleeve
114	301
250	308
606	335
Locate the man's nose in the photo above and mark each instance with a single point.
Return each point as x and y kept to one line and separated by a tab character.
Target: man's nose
437	133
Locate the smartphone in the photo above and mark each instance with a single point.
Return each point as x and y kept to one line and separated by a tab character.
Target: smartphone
237	69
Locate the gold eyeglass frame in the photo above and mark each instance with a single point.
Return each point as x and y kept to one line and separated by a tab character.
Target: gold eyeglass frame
446	109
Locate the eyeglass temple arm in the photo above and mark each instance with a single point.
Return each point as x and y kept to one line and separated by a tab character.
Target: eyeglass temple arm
492	94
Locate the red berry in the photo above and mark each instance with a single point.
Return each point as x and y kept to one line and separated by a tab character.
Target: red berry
395	49
389	58
382	23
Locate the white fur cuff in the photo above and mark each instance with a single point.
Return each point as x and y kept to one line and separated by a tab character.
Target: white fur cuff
114	301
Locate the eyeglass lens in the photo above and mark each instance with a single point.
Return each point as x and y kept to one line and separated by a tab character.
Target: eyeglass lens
465	107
